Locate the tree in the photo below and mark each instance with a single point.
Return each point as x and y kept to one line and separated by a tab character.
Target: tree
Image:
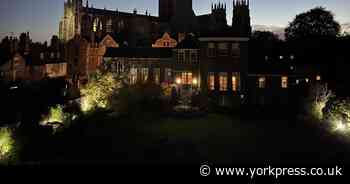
315	23
98	91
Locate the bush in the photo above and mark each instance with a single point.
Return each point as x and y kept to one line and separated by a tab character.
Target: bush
98	91
142	99
319	95
7	146
337	113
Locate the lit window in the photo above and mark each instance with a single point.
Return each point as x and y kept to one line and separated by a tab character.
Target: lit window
235	81
52	55
168	74
211	50
211	81
292	57
223	81
156	75
133	75
281	57
186	78
266	58
284	83
223	49
318	77
307	80
262	82
144	74
297	81
235	49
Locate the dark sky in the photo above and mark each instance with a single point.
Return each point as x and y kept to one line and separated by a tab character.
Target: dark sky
41	17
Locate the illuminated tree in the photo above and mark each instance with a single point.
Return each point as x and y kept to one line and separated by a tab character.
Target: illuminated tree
98	91
319	95
317	22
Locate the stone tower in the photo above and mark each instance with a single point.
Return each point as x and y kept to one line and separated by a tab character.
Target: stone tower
241	18
166	9
184	19
218	12
70	24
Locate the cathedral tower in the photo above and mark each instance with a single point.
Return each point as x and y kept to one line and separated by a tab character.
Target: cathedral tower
166	9
241	18
70	23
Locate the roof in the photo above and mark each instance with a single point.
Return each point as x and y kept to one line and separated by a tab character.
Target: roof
190	42
117	13
139	52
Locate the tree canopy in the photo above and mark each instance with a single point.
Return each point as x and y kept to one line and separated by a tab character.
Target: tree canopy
315	23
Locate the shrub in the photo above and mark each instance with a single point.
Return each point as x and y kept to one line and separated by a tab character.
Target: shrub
139	100
337	113
319	95
7	144
98	91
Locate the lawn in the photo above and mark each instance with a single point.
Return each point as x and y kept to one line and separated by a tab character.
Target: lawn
212	139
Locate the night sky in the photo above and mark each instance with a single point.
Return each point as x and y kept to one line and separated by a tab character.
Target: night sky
41	17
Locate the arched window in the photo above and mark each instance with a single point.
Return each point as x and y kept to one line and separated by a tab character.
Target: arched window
109	25
95	25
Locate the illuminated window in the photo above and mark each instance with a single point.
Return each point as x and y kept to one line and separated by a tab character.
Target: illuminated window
52	55
235	49
262	82
168	74
186	78
307	80
94	25
297	81
133	75
211	81
156	75
223	49
109	26
144	74
284	83
318	77
211	50
235	81
223	81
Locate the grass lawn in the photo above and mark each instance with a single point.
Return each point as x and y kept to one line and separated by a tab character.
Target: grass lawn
213	139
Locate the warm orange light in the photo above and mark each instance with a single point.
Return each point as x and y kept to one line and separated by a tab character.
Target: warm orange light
178	81
195	81
318	78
